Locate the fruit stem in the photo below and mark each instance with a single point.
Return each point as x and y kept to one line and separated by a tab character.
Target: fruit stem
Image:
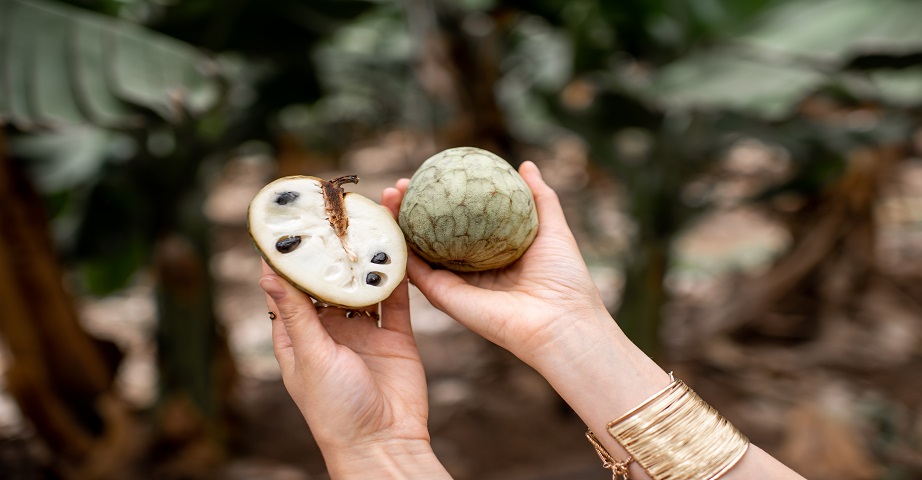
333	196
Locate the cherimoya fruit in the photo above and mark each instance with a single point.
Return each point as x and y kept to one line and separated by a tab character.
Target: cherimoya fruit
339	247
467	210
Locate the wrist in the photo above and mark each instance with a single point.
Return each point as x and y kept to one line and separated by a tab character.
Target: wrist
600	373
392	459
585	344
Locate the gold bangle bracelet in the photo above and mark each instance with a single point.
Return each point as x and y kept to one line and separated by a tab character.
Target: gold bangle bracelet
674	435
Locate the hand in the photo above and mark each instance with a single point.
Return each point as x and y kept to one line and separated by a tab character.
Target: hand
360	387
546	309
527	305
355	383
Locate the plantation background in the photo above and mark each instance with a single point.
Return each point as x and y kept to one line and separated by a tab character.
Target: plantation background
744	178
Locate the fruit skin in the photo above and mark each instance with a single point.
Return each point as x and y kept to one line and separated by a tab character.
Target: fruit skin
467	209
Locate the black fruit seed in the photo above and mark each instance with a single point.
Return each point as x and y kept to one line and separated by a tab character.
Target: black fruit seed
373	279
285	198
288	244
379	258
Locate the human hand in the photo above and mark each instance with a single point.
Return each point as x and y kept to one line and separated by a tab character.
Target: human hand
530	304
546	309
360	387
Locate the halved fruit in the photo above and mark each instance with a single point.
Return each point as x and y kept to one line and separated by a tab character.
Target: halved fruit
341	248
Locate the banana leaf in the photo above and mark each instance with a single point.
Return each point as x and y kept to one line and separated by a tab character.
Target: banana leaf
791	51
60	65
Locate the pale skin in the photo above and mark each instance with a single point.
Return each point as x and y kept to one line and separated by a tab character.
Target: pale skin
362	390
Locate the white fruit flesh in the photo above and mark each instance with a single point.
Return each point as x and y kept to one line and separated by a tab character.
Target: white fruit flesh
328	267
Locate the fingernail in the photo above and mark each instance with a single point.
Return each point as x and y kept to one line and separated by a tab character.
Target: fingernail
272	288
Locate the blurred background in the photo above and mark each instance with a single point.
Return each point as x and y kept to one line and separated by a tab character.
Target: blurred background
744	178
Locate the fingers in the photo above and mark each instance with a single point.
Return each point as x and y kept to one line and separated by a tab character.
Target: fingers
395	309
296	324
391	198
550	213
445	290
281	342
425	278
402	185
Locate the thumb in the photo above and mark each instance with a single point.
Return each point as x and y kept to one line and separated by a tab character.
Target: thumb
550	212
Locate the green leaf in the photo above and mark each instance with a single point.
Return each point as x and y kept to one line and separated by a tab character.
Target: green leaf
790	52
91	49
899	87
836	30
51	94
160	73
16	65
65	158
724	80
60	65
4	36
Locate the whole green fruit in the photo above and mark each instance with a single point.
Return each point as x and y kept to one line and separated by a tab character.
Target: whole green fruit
468	210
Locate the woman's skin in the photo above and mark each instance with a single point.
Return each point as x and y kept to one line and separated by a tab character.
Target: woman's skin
362	390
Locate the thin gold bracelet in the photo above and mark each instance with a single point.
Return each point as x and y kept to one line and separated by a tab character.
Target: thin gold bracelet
619	468
674	435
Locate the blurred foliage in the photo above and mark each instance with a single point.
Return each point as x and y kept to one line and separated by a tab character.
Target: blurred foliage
85	68
146	95
631	78
109	101
794	50
664	104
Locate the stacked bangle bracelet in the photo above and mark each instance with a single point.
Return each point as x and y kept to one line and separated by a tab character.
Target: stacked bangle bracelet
674	435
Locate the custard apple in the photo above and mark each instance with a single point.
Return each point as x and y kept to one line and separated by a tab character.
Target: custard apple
467	209
341	248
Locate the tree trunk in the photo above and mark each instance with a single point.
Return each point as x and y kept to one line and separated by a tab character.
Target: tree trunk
654	187
645	295
461	71
196	370
59	375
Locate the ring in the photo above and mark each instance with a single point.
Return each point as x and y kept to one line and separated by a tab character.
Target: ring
271	315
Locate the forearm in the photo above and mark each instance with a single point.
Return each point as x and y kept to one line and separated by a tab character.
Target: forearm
602	375
403	459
